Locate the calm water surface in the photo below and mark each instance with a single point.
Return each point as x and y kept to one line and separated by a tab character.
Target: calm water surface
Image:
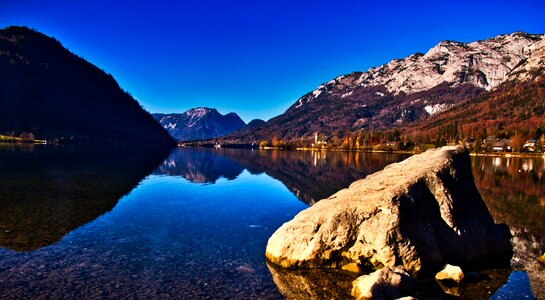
143	223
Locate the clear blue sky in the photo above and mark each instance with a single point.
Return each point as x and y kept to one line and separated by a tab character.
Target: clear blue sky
256	57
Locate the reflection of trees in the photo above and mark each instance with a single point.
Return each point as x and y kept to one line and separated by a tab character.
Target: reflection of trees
47	191
313	175
203	165
514	191
310	175
513	188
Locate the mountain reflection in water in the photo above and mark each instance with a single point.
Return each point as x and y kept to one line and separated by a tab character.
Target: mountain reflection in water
197	226
310	175
199	165
513	189
47	191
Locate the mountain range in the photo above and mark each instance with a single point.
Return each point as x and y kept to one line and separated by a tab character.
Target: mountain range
407	93
199	123
489	87
48	91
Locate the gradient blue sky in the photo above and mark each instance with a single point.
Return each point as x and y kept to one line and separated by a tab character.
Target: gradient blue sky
253	57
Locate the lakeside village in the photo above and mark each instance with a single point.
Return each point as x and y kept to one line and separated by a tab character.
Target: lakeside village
388	142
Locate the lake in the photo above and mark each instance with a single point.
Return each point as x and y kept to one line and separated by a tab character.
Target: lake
123	222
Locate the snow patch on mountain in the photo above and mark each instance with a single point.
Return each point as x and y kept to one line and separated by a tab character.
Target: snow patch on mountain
436	108
347	94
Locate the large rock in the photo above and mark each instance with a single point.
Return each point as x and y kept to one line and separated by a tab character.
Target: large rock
386	283
420	213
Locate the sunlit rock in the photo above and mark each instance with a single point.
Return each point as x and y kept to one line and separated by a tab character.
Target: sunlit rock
450	272
420	213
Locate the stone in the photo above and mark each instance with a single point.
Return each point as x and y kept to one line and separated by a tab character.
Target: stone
420	213
450	272
386	283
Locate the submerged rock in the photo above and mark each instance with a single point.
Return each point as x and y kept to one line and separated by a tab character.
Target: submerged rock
312	284
386	283
450	272
420	213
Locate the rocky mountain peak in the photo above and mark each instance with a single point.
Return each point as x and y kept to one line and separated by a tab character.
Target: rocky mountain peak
408	90
532	65
484	64
199	112
199	123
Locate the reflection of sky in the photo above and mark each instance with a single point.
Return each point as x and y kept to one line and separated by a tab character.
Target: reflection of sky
517	287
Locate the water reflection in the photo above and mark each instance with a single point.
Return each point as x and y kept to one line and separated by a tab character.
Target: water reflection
47	191
514	191
311	176
312	284
169	236
199	165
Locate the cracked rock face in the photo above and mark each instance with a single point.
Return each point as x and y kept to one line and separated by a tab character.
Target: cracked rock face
420	213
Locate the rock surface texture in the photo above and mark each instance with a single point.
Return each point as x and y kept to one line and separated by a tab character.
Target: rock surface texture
420	213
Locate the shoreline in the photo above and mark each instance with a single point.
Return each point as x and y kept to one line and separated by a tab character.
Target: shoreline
493	154
412	152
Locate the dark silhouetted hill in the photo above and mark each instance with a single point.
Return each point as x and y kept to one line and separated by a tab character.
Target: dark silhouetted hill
47	90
